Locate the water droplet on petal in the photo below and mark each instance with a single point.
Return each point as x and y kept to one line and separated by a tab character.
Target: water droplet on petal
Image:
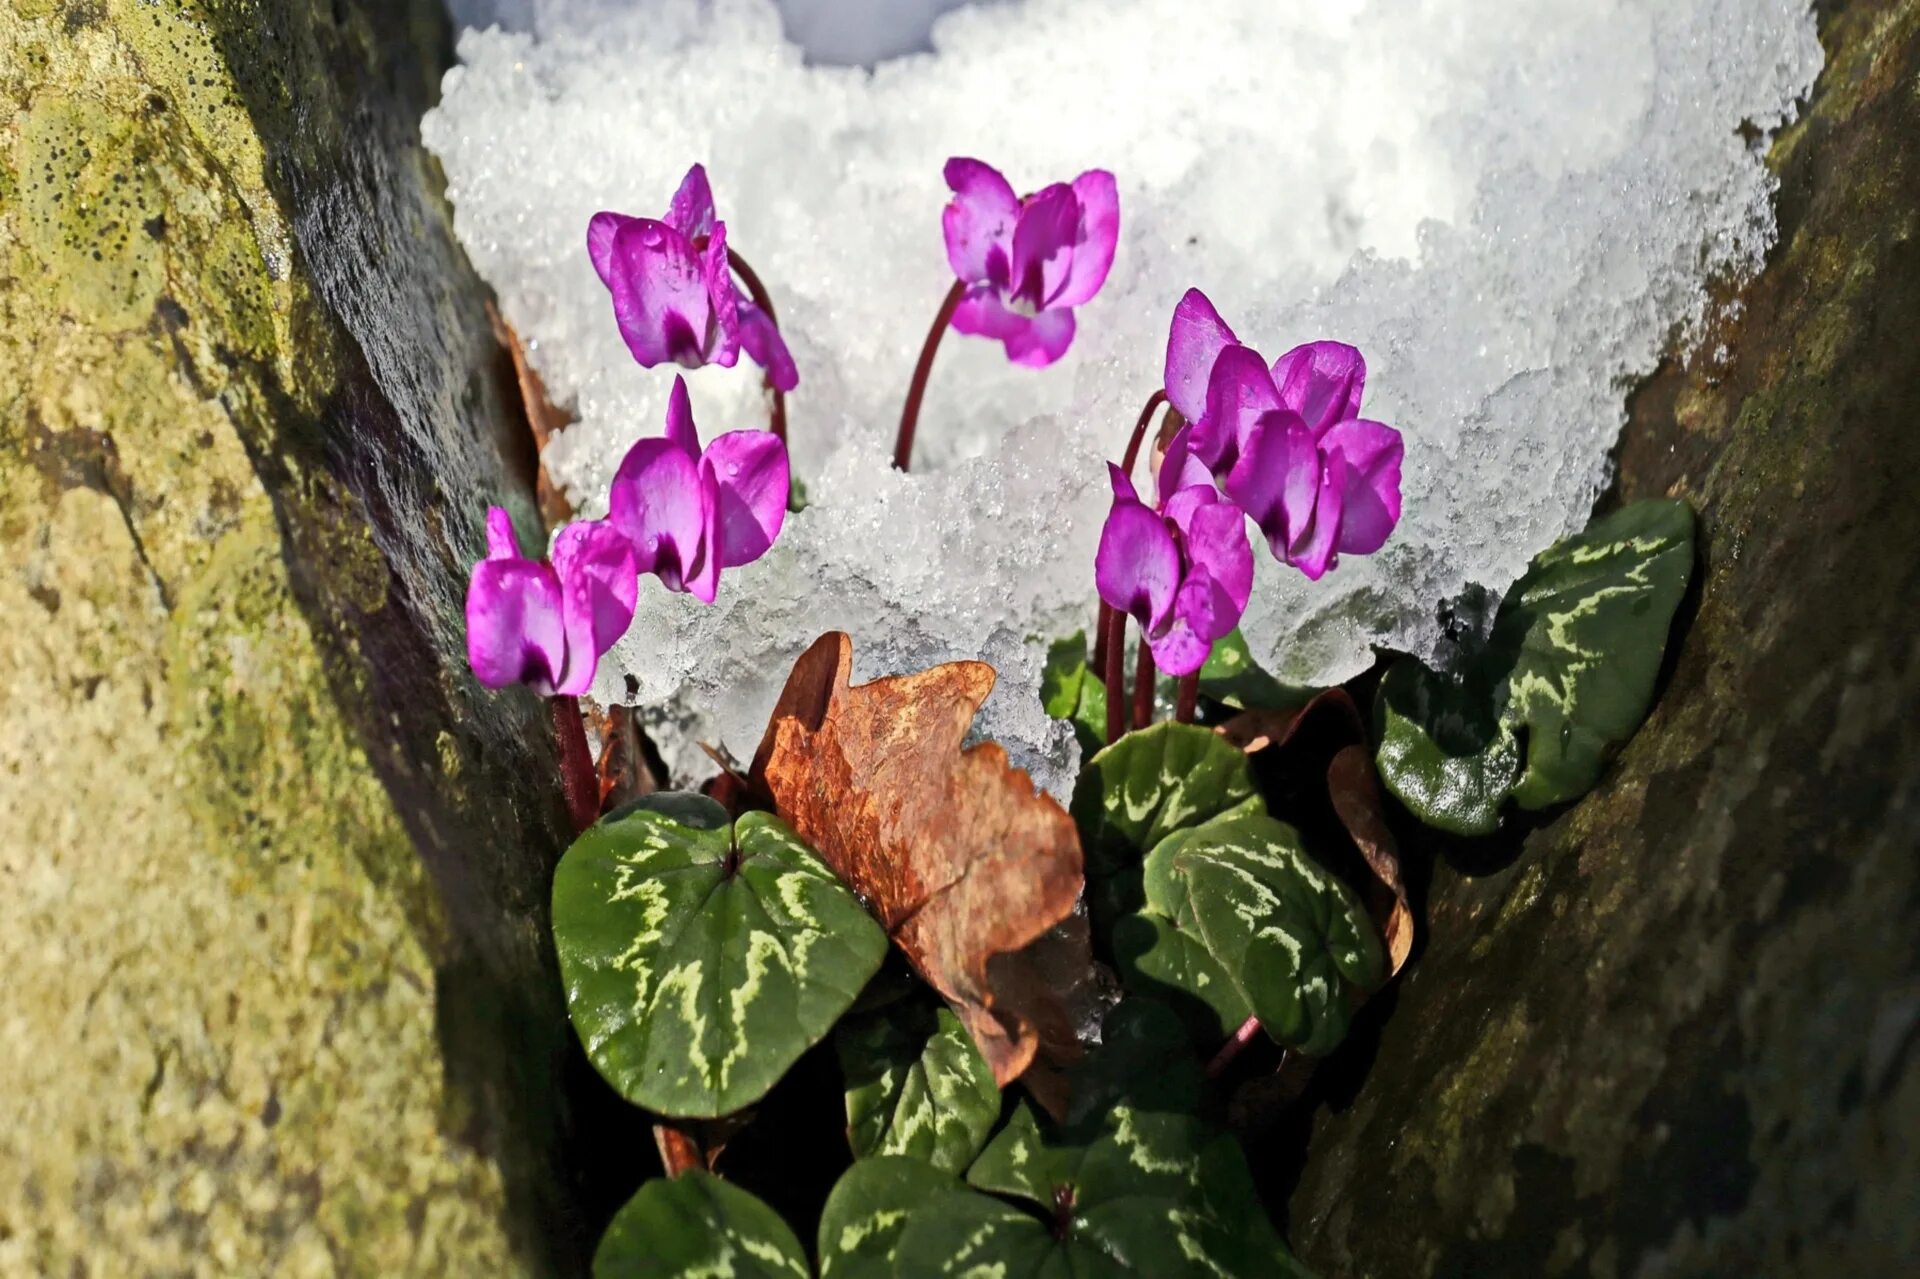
733	468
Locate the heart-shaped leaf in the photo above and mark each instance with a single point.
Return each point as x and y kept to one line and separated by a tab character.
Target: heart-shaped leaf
869	1208
1587	626
1294	940
1160	960
1156	1194
1565	677
697	1224
1144	1060
1071	691
916	1085
1232	678
701	957
1142	789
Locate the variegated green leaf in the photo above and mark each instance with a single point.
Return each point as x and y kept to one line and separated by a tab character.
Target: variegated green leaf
1566	676
868	1209
702	957
1443	751
1157	958
1020	1162
1588	625
916	1085
1143	788
1292	936
1143	1060
1232	678
1155	1194
1071	690
697	1224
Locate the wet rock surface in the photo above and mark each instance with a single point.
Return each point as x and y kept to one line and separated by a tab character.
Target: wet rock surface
1676	1029
279	997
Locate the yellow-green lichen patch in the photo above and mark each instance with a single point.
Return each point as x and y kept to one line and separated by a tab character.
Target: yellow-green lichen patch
219	1050
89	192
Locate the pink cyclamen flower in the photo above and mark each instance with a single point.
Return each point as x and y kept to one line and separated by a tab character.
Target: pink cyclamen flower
1028	263
689	513
673	293
546	624
1287	443
1182	568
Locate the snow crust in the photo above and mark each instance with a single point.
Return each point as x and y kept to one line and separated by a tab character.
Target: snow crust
1512	209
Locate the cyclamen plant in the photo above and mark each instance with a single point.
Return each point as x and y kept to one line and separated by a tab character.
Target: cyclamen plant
1289	947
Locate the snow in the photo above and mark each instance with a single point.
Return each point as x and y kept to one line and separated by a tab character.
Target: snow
1513	210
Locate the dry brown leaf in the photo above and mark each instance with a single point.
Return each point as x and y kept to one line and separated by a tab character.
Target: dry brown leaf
543	419
1356	798
963	863
624	772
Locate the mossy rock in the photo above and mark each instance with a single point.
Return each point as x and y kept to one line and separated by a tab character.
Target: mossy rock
1675	1031
279	997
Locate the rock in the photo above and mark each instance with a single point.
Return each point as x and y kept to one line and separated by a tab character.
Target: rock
278	991
1679	1033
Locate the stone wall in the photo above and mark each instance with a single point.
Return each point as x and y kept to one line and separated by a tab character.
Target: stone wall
1676	1031
273	871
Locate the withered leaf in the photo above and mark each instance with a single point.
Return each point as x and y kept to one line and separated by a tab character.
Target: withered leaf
1356	798
543	418
964	864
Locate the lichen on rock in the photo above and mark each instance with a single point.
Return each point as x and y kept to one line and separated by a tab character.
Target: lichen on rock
278	998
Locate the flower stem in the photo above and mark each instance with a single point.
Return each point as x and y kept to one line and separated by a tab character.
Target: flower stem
917	389
1115	673
1233	1047
579	780
758	292
1188	700
1139	435
1143	673
679	1152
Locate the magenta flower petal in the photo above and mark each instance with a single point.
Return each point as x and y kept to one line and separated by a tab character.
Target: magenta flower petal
1197	338
1137	568
598	578
1215	534
749	472
1370	494
702	577
723	344
655	502
515	631
1041	340
691	213
1179	468
1239	392
1322	382
681	431
1276	479
760	339
1315	547
502	542
1043	245
598	587
1096	236
600	233
1201	614
979	222
982	314
659	294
